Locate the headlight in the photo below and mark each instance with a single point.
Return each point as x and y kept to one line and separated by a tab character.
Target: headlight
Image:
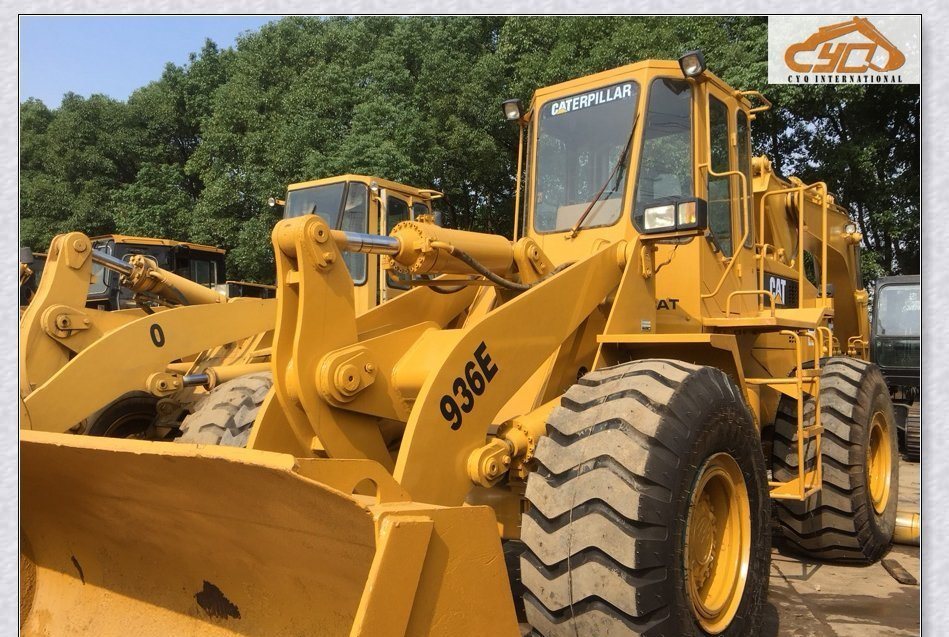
687	214
659	217
852	234
692	63
513	110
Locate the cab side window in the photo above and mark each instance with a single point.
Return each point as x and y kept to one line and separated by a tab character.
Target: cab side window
744	165
419	209
719	188
202	272
356	219
397	211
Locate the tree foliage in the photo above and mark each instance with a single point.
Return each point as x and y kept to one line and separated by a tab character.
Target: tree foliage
195	154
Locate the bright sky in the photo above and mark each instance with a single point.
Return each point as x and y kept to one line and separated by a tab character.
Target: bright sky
113	55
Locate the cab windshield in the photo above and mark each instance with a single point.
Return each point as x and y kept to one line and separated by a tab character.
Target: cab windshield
580	140
327	201
898	311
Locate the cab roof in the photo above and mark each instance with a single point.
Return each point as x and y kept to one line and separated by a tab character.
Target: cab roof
662	67
153	241
419	193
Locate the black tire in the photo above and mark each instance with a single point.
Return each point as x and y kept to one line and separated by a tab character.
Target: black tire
512	550
129	416
605	531
912	433
839	523
226	415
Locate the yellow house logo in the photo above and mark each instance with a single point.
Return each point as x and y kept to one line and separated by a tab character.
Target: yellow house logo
851	47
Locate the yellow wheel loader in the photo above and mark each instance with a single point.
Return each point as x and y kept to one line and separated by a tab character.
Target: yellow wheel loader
201	263
81	366
614	400
31	269
196	262
133	413
140	279
357	203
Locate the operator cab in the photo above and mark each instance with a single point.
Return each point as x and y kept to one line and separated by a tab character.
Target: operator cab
362	203
201	263
620	153
659	154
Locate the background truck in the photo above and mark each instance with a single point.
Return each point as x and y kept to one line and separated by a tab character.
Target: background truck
895	347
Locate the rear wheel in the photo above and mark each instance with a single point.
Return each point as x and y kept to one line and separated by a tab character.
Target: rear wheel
129	416
912	433
852	517
226	415
649	509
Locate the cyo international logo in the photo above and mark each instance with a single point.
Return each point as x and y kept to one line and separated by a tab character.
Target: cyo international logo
844	49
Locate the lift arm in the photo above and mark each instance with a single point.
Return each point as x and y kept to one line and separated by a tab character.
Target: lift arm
446	384
124	359
57	324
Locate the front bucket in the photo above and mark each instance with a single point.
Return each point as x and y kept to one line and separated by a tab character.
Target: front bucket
125	537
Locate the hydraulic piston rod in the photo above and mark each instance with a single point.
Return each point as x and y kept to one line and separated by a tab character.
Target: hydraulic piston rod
142	274
367	243
112	263
424	248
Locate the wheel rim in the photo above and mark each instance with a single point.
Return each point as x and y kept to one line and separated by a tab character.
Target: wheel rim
130	426
879	462
718	543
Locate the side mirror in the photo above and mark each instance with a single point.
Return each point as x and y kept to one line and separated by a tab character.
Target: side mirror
26	255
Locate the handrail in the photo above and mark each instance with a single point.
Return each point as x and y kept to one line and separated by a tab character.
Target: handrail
799	191
829	339
799	378
757	293
757	109
744	203
762	256
823	256
817	338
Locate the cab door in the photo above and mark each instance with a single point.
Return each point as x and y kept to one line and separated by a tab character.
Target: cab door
396	208
729	202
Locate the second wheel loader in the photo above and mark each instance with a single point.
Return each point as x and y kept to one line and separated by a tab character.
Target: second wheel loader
127	284
616	399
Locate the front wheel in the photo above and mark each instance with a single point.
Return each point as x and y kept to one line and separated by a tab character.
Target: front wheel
226	415
649	509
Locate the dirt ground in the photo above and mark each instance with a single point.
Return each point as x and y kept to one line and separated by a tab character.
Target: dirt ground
807	599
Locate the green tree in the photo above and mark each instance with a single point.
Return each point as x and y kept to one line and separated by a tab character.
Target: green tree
195	154
864	142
